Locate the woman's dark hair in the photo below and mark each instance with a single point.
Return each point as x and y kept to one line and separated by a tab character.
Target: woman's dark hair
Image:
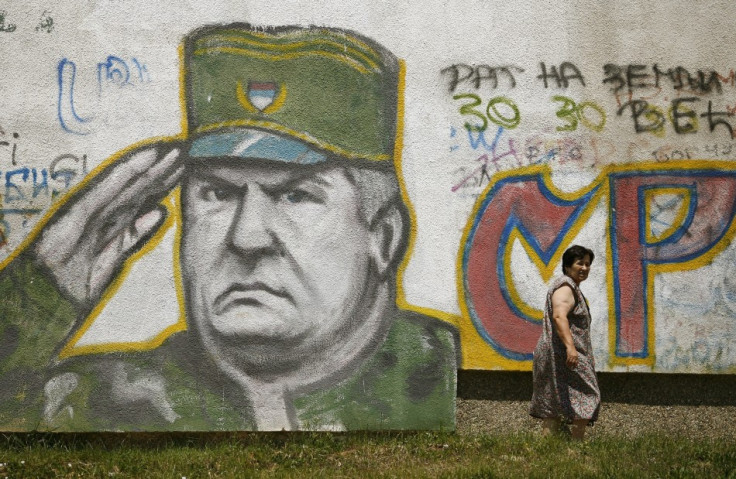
574	253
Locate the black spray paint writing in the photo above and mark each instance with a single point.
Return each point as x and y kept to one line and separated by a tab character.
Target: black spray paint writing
681	115
561	76
684	114
476	76
641	77
45	23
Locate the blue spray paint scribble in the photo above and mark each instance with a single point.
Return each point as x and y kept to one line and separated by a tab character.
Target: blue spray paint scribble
69	120
114	72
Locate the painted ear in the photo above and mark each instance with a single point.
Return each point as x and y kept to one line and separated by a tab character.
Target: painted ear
388	238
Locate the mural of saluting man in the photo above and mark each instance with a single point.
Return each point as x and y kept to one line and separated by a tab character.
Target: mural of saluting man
293	227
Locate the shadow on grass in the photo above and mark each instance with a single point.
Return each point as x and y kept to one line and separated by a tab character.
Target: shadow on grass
163	440
631	388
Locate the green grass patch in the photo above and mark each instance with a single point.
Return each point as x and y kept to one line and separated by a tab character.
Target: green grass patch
404	455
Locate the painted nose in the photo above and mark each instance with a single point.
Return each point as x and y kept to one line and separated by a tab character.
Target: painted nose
251	227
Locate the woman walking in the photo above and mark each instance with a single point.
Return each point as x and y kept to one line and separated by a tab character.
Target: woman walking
565	384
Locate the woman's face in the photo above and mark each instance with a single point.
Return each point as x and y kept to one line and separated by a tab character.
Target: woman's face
579	269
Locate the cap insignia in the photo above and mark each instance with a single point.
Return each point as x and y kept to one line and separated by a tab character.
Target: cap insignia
264	97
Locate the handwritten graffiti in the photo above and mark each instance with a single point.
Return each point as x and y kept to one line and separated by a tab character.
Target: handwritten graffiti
639	77
114	72
45	23
488	165
503	112
476	76
63	172
573	113
6	27
561	150
651	118
500	110
504	152
23	186
68	117
12	145
646	117
662	218
561	76
684	108
719	150
668	153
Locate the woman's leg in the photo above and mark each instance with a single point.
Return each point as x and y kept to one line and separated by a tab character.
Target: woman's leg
550	425
578	429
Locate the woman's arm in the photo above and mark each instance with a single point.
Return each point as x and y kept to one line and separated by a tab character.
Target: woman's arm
563	302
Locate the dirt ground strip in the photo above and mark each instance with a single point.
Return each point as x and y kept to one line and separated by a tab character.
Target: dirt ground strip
695	406
476	416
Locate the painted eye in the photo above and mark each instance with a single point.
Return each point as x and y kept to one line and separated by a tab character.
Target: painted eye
297	196
214	193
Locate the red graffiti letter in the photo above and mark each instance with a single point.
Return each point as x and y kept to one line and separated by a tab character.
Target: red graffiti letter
522	203
710	198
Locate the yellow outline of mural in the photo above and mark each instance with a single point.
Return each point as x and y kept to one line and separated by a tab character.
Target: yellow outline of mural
476	353
401	300
680	216
275	105
339	44
172	204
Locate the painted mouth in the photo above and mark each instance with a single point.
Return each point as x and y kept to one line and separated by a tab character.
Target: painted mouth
251	294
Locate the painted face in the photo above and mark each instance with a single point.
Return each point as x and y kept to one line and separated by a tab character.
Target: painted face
276	255
579	270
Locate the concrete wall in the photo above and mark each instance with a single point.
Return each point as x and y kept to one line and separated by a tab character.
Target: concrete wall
508	131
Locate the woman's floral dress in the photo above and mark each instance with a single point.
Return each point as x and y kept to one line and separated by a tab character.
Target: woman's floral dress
559	390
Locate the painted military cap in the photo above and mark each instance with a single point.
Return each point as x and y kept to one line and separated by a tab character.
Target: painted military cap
292	94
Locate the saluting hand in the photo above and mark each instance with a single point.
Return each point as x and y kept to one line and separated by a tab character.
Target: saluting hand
87	240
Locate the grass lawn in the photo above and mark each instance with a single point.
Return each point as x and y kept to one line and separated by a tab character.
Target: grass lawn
419	454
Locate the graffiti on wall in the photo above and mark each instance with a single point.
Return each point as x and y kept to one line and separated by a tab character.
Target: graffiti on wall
289	231
114	73
259	264
669	212
662	218
641	92
28	190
